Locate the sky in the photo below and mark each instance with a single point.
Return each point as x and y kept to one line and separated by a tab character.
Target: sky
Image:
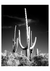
14	15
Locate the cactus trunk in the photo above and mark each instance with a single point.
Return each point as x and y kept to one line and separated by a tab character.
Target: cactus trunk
14	40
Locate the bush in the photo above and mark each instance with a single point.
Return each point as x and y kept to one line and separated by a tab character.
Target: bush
15	59
39	61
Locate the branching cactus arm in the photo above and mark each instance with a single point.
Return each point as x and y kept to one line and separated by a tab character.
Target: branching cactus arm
20	41
34	43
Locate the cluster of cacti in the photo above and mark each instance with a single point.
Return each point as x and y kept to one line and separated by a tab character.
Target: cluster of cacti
29	47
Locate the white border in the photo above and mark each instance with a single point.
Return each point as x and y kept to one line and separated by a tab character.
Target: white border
34	2
24	1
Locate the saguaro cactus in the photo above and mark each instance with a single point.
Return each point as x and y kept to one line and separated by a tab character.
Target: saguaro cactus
28	38
31	38
16	44
37	52
15	41
14	36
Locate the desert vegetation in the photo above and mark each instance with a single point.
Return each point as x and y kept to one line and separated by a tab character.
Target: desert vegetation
16	59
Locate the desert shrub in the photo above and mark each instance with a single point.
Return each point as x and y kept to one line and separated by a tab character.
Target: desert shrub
4	61
24	61
10	59
39	61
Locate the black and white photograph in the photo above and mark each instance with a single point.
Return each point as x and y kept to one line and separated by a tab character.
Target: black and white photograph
24	30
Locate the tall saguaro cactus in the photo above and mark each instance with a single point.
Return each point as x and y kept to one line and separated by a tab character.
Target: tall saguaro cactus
28	38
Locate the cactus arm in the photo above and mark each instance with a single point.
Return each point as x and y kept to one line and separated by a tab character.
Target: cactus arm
26	24
16	44
31	38
37	52
14	40
20	41
34	43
